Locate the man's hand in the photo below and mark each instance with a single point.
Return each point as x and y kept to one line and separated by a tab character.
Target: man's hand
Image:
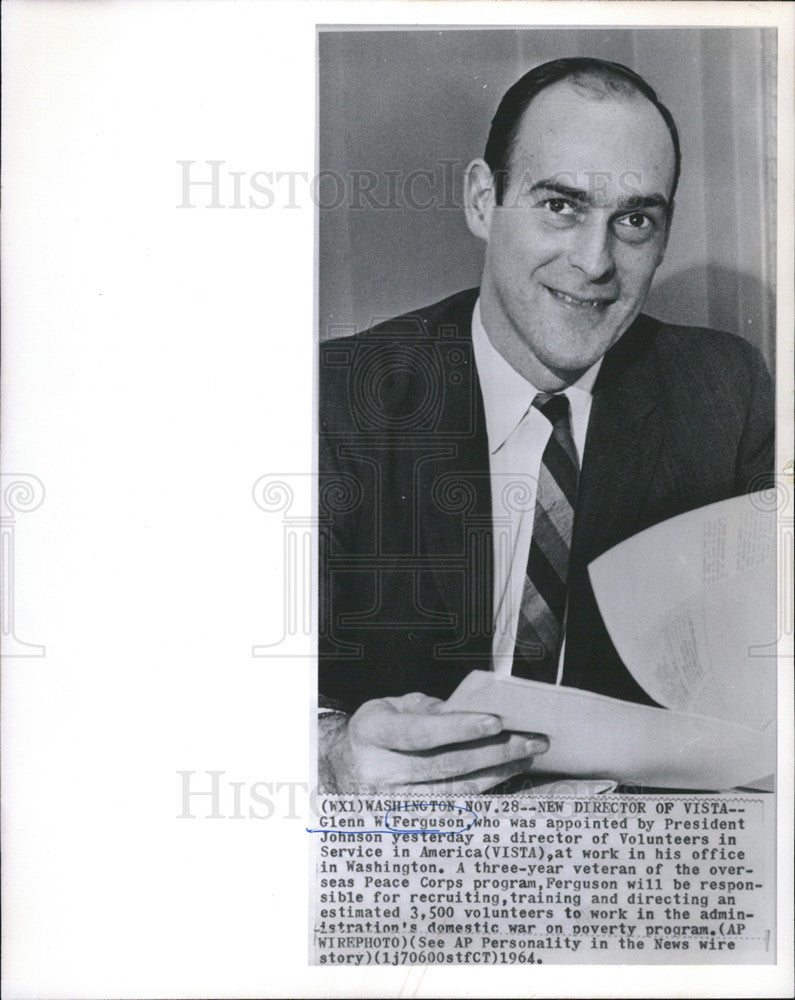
394	744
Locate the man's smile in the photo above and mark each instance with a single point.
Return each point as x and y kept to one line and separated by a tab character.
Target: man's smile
579	303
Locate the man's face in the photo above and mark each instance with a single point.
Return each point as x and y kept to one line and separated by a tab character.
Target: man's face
581	230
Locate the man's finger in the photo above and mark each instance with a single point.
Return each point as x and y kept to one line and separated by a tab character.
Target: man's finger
474	757
382	726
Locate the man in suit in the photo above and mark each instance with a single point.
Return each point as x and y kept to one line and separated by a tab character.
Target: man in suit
477	455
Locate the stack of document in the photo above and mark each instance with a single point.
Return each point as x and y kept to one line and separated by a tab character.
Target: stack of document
690	605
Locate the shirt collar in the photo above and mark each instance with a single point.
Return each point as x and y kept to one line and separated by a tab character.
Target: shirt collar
507	395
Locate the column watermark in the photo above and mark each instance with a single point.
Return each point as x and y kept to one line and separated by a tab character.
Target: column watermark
20	493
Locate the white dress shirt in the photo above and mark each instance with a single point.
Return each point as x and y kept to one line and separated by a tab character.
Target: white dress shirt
517	434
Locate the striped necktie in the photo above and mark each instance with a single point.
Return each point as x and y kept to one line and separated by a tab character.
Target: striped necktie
540	626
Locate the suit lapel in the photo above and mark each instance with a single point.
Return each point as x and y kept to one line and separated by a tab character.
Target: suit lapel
454	499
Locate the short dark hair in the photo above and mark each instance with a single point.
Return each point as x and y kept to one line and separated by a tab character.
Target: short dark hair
609	76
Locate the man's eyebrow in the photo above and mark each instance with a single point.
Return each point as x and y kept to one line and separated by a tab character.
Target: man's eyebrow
572	193
585	197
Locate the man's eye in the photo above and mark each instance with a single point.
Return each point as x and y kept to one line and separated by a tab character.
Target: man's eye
635	220
558	206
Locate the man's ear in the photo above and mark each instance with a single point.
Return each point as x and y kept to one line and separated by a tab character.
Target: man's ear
479	198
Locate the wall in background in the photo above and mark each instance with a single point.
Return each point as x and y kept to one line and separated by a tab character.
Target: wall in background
400	104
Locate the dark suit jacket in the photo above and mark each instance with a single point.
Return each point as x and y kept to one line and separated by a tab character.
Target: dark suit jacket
681	417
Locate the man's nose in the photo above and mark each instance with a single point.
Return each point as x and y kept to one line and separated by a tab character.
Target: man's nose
591	250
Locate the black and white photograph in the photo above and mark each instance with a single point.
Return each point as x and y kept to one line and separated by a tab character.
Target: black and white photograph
548	511
434	425
397	499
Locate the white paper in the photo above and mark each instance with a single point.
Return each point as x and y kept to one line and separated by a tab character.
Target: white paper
592	736
690	605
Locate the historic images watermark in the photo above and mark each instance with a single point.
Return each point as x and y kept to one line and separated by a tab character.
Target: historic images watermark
215	184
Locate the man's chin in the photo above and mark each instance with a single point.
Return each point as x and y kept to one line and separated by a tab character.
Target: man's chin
571	364
569	369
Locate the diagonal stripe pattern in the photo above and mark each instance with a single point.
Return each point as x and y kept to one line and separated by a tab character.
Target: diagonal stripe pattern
540	625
